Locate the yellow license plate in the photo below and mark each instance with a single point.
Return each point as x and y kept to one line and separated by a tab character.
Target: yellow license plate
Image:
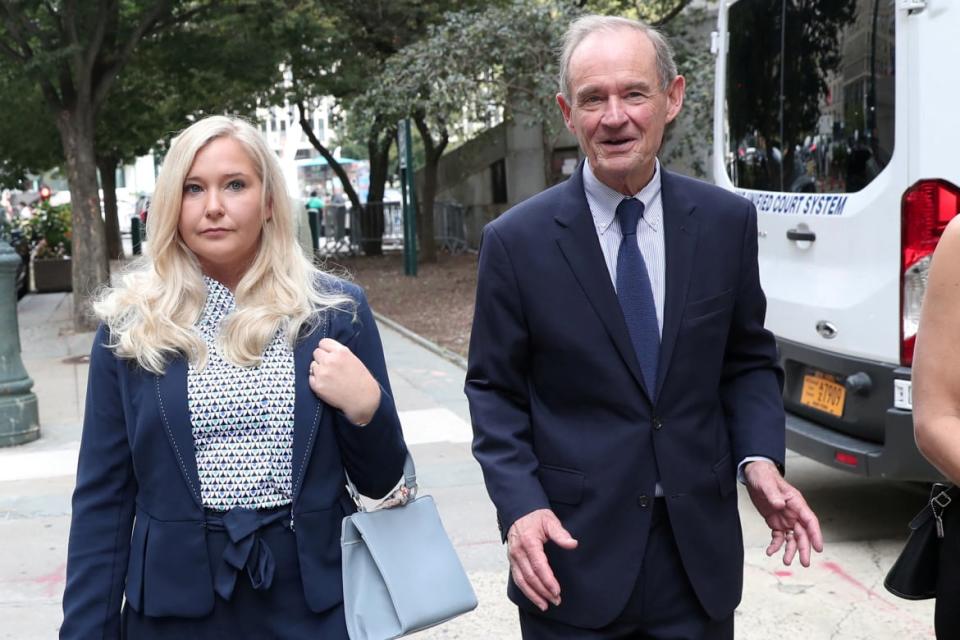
824	393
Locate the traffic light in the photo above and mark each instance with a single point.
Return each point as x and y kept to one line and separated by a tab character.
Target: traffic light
45	193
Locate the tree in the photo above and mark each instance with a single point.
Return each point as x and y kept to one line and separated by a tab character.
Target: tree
220	64
74	51
474	67
29	145
481	66
337	49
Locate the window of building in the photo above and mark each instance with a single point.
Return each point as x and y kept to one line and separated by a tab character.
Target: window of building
810	93
498	181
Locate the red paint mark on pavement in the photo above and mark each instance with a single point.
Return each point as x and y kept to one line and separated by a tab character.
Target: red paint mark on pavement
838	571
53	581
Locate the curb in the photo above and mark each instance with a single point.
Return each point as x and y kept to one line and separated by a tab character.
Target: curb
443	352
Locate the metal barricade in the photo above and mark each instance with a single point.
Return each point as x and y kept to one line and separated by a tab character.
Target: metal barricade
335	239
347	234
449	227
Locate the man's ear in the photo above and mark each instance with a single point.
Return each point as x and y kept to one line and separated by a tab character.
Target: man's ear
675	97
566	110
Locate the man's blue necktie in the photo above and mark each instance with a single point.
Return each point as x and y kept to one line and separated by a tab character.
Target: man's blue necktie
636	294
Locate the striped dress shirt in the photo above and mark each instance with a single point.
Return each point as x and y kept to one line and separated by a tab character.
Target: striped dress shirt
603	203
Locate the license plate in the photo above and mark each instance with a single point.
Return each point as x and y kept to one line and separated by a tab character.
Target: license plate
822	391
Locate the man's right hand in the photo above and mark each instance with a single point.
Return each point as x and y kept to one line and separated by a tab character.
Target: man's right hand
528	563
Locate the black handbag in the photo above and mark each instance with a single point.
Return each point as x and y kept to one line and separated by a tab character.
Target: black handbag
914	574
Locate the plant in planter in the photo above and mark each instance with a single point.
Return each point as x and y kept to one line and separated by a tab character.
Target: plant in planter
50	232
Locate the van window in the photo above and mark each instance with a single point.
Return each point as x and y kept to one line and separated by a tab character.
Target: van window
810	93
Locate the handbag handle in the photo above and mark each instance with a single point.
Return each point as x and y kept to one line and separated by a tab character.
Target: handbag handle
400	497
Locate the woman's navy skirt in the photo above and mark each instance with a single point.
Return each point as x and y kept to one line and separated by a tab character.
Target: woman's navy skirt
279	611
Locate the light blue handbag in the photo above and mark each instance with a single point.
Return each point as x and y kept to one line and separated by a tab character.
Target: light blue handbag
400	571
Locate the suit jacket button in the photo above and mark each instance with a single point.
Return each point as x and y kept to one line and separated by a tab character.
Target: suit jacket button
643	501
657	425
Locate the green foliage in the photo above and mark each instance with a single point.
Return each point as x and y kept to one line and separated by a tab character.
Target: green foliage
500	63
28	143
696	64
214	63
478	66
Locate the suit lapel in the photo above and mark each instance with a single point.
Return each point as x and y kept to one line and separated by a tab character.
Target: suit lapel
171	390
307	408
577	238
680	239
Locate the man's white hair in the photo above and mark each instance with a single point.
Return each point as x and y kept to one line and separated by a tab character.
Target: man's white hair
586	25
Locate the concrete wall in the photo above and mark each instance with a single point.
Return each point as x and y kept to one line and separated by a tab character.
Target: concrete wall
526	175
464	177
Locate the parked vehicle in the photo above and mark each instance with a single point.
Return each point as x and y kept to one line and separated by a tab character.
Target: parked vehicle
21	246
836	118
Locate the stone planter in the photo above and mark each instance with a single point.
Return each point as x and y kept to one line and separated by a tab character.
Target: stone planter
51	276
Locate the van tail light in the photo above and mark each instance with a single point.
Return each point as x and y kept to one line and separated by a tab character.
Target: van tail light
926	209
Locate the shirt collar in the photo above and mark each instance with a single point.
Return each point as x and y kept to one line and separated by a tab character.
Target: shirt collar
603	200
219	303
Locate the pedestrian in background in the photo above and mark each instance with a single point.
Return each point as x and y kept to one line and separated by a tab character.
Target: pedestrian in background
231	385
936	409
620	378
315	217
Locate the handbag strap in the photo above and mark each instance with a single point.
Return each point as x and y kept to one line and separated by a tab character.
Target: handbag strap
408	489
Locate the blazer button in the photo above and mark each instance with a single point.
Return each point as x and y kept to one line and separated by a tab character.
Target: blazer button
657	425
643	501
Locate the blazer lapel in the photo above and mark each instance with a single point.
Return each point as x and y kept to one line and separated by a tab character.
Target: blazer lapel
175	411
577	238
680	238
307	408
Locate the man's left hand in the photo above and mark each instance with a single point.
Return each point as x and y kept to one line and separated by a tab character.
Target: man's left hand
793	524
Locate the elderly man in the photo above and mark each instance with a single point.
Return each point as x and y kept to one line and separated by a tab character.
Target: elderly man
620	378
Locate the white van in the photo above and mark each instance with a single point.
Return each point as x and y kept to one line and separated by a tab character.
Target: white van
839	120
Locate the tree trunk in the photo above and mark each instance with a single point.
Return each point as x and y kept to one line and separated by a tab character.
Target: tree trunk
348	189
426	233
90	267
378	149
108	181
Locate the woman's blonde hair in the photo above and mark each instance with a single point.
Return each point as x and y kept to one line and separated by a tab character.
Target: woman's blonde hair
152	312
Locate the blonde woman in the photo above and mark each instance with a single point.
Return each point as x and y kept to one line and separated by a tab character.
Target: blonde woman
231	385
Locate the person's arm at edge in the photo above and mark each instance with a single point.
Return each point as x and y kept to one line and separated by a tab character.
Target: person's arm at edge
496	387
936	374
752	380
751	391
373	454
103	506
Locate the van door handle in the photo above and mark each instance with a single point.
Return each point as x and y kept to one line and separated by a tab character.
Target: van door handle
798	235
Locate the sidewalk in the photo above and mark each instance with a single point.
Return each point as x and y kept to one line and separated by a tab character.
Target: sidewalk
36	479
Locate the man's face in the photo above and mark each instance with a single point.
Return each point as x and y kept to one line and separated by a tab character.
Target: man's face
617	108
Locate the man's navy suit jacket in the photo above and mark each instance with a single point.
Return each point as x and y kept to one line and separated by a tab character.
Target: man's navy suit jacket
562	419
137	470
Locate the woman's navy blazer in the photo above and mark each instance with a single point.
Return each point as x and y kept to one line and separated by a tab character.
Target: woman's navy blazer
138	526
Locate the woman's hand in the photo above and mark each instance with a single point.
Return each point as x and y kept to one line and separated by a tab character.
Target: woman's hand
341	380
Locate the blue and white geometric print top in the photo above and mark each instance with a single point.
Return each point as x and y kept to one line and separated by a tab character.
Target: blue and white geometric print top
242	418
